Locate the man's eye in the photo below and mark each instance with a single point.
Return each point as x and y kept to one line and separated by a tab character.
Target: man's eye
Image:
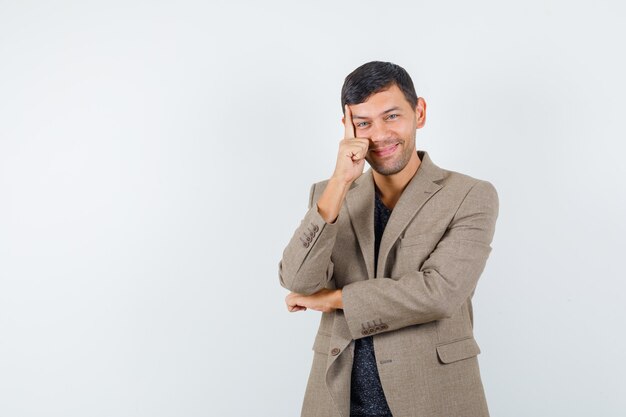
361	124
393	116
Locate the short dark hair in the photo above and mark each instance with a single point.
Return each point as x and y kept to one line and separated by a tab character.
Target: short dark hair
374	77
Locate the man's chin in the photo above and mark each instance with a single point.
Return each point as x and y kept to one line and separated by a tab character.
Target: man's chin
390	168
386	171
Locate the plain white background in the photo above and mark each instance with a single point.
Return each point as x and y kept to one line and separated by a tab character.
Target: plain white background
156	157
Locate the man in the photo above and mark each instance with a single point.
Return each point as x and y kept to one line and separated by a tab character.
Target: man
391	257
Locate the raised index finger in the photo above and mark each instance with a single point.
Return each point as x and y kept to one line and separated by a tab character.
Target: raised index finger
347	122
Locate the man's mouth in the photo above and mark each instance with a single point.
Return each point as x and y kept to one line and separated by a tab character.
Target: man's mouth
386	151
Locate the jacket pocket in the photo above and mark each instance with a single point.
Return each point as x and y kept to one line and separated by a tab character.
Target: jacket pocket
322	343
458	350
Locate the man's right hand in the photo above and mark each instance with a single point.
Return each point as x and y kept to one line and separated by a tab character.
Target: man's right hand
349	167
352	152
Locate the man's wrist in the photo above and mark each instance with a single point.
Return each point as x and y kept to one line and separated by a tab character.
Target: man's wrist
339	182
338	300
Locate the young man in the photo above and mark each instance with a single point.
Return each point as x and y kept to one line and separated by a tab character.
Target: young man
391	257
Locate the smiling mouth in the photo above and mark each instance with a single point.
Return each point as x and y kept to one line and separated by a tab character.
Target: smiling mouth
387	150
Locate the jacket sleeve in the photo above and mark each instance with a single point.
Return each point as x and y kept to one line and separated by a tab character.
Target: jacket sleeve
443	282
306	266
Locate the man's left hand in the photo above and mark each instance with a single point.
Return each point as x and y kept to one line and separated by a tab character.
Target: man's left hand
324	300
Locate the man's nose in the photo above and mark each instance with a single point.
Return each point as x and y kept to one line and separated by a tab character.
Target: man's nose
379	132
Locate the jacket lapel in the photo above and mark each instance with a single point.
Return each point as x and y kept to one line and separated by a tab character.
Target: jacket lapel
360	204
417	192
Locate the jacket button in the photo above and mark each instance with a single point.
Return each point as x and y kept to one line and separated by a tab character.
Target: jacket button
305	244
335	351
315	228
384	327
364	332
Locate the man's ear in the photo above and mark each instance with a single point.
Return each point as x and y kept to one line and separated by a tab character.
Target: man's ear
420	112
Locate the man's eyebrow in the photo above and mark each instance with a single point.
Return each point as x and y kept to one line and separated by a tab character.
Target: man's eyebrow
354	116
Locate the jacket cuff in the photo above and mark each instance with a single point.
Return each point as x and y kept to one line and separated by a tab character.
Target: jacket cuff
355	301
314	228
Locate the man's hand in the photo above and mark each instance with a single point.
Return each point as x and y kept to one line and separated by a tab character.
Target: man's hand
352	152
324	300
349	167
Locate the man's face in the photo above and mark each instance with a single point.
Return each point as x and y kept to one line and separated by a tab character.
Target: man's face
388	120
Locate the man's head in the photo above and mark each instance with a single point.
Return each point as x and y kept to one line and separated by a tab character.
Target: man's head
385	109
374	77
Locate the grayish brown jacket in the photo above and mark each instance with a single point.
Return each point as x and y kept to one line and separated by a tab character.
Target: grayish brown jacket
418	309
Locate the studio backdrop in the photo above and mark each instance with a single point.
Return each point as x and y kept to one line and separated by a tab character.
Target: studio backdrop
156	158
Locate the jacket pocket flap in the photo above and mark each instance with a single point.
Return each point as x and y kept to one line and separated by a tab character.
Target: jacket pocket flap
322	343
457	350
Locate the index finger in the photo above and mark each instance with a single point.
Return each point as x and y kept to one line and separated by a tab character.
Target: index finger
347	122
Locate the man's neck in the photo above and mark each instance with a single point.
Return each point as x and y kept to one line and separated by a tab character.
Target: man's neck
391	186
